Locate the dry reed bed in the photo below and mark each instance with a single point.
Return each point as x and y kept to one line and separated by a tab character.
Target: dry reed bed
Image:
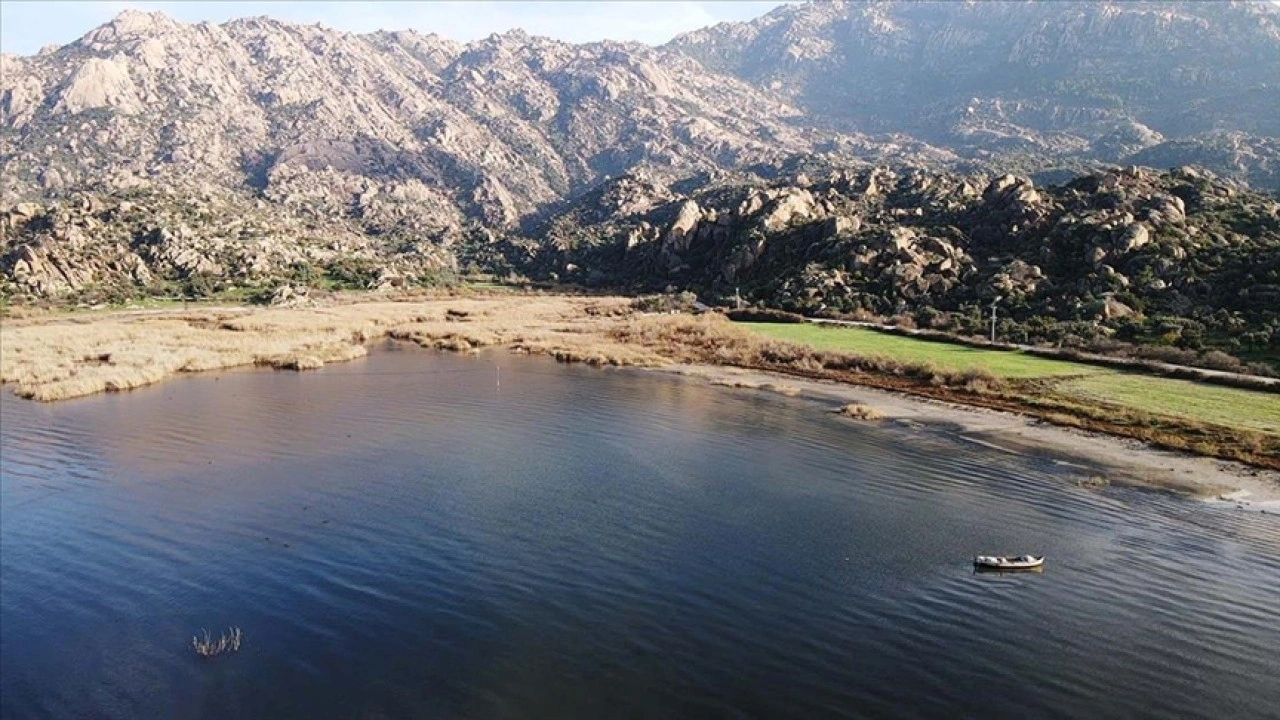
61	357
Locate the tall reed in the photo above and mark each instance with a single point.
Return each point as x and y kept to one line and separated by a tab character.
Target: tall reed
208	647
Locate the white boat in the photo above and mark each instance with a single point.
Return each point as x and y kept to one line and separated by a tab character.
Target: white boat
1021	562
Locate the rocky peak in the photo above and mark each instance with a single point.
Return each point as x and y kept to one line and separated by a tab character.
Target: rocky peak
130	26
99	83
434	52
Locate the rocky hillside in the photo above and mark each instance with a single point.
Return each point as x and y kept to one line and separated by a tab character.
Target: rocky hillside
1180	258
163	241
1061	82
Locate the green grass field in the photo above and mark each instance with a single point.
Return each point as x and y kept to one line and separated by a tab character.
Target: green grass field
945	355
1231	407
1182	398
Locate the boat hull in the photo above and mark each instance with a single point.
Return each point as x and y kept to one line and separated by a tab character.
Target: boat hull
996	570
983	562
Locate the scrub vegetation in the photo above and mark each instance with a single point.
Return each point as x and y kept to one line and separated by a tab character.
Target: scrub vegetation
858	411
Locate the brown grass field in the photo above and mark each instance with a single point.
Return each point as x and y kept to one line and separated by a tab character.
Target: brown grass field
58	356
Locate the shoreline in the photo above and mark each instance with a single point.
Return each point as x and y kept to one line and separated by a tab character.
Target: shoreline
1115	460
65	356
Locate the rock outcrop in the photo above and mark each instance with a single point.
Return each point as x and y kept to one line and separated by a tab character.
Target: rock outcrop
181	242
1106	252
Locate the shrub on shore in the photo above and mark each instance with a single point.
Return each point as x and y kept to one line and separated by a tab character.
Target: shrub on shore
858	411
765	315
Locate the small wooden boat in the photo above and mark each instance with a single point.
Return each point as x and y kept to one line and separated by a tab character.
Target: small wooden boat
1021	562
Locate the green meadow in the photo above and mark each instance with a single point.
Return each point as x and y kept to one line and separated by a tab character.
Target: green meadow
1080	382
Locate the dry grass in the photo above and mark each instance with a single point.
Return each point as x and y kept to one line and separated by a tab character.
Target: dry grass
65	356
59	357
208	647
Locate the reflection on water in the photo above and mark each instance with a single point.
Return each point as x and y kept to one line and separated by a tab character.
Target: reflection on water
400	537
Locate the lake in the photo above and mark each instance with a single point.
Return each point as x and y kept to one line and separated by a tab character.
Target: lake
423	535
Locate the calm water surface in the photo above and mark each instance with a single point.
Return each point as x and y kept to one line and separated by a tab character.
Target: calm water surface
401	537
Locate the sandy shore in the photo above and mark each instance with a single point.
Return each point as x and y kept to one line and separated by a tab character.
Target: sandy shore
62	356
1093	456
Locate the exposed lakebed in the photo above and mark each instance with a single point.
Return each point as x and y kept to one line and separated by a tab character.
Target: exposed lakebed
425	535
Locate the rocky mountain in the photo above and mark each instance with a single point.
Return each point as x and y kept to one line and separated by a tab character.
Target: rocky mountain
506	126
1060	82
495	129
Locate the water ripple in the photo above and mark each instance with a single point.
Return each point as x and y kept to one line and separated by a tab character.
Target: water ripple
580	543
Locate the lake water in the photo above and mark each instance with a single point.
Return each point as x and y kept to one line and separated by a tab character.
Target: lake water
407	537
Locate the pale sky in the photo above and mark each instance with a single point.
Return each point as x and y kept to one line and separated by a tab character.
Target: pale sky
27	26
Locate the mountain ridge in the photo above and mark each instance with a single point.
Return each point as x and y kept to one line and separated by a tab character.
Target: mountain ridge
509	123
513	123
1089	82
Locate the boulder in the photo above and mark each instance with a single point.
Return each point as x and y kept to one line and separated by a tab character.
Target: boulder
1018	277
938	246
1011	190
841	225
289	296
26	211
1134	236
681	233
1113	309
903	239
786	209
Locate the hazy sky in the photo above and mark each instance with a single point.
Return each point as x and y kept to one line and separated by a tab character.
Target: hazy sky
25	27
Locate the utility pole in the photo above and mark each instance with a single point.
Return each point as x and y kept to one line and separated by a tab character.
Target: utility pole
993	318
